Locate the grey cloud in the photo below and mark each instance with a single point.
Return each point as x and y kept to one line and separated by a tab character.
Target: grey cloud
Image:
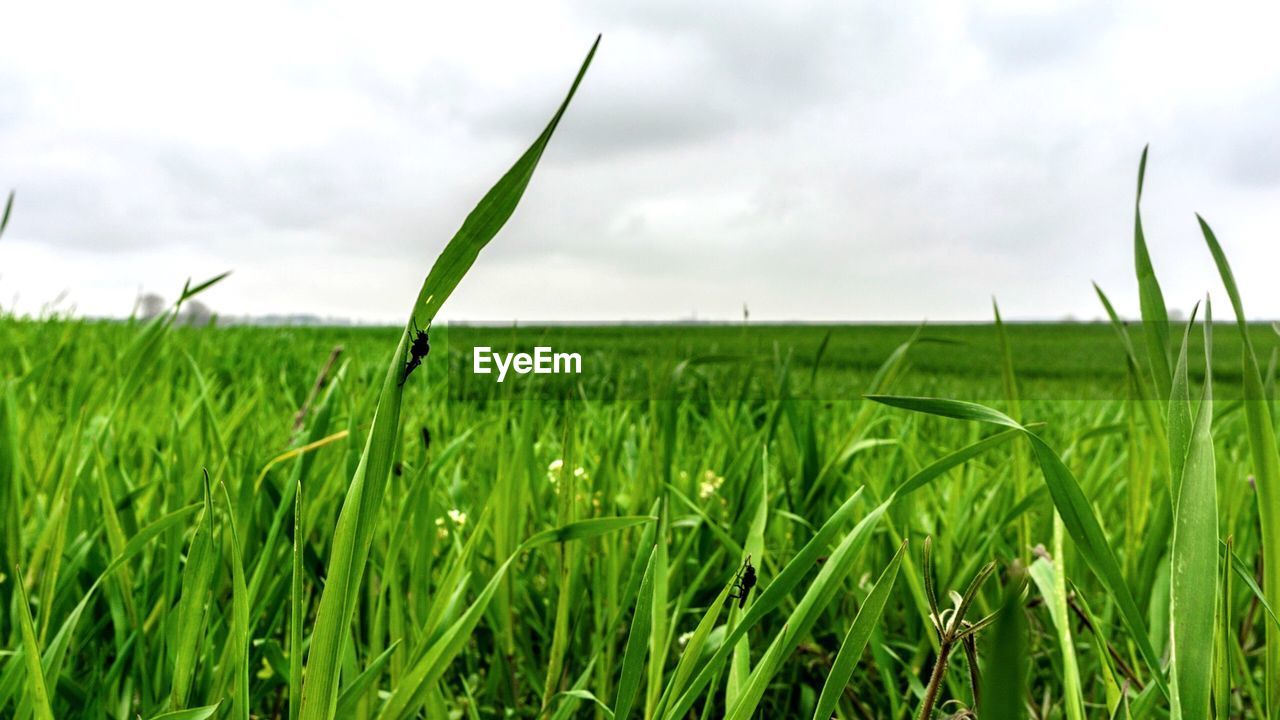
15	96
1027	37
819	161
708	71
1253	154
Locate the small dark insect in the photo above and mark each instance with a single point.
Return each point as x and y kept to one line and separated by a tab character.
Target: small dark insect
426	438
421	346
743	582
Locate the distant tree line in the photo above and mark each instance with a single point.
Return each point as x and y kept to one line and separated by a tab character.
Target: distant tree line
193	312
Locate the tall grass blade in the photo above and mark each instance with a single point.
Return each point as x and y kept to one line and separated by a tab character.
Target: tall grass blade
814	601
1194	557
188	629
357	688
432	662
1155	317
1004	675
1222	643
1048	578
190	291
1266	461
239	630
855	640
1245	574
637	640
693	648
1073	506
740	663
8	210
768	599
39	691
1179	425
361	507
297	607
199	713
1010	380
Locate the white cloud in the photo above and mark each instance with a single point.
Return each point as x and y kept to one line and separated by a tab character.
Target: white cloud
813	160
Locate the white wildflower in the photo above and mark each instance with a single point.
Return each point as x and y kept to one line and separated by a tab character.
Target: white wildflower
709	484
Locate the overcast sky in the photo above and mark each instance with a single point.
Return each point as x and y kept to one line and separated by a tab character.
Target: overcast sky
815	161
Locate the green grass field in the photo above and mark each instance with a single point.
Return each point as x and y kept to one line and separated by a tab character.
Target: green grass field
992	521
108	427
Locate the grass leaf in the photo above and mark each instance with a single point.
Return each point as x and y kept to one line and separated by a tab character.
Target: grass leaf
1155	318
31	654
814	601
189	621
637	645
362	505
855	640
1004	675
1193	602
4	217
768	599
1266	461
1073	506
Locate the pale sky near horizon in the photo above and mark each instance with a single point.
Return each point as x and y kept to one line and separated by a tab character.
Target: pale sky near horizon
821	160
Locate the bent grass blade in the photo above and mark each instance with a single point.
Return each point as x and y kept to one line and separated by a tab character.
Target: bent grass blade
1073	506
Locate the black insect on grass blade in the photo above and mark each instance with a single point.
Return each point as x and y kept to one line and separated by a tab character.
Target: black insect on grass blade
361	507
769	598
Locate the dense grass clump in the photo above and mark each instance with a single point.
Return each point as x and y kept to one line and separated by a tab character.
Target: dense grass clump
1003	521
